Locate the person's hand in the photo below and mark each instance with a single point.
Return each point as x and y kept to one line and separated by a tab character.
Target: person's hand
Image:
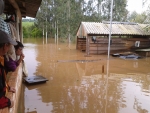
12	103
20	59
22	56
12	89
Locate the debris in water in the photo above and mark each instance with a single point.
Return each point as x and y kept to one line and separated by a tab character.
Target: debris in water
35	79
127	55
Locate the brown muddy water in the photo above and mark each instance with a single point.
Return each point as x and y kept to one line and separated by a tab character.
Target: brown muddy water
77	83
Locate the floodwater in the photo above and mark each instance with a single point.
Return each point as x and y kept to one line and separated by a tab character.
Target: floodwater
79	84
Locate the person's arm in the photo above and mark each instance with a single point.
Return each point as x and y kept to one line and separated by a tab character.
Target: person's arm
12	89
10	65
1	84
4	101
20	59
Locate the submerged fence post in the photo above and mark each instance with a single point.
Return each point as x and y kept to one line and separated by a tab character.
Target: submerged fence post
102	68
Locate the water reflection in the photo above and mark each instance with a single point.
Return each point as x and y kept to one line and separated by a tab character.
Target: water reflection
81	87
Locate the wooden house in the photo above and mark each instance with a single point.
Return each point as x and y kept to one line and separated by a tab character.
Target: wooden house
93	37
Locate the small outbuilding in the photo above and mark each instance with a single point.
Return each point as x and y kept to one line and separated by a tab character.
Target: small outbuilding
93	37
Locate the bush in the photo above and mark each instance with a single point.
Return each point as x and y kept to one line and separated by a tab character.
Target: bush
31	30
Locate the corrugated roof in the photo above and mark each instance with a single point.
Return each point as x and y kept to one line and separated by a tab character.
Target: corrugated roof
117	28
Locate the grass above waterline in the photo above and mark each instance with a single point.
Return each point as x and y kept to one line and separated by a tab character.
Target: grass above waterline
27	24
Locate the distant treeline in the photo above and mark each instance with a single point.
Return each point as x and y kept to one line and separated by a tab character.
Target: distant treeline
28	20
62	17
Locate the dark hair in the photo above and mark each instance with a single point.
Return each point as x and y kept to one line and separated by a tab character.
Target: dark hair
2	45
19	44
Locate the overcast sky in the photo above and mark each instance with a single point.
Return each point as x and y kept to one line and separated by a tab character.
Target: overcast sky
136	5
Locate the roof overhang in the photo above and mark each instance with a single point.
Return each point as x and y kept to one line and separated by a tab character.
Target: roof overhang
27	7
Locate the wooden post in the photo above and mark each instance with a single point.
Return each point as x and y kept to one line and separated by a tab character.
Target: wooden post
21	31
97	48
17	27
15	5
77	43
87	47
102	68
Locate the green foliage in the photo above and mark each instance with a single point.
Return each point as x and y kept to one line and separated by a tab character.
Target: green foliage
30	29
119	10
27	24
62	17
137	18
36	32
144	17
25	32
65	16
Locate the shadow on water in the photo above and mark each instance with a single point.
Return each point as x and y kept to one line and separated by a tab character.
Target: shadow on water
77	84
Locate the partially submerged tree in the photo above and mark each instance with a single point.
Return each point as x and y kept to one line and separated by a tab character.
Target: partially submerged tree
64	16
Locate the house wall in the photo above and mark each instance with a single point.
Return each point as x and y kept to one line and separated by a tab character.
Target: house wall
81	39
81	33
143	43
100	45
81	44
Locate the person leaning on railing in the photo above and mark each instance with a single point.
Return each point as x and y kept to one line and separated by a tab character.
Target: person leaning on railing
12	64
19	52
5	42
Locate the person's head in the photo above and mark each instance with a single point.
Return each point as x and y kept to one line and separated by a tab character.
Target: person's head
18	48
5	42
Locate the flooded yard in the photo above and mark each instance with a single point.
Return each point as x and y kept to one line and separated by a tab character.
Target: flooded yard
77	84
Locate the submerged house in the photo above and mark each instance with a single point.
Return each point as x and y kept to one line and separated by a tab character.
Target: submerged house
93	37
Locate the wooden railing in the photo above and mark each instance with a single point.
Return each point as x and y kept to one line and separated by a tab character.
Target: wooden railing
14	80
